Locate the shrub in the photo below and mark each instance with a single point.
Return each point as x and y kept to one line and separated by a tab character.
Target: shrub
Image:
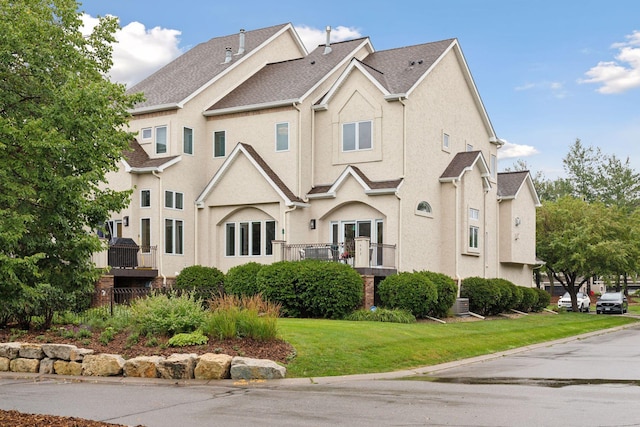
242	279
529	299
329	289
447	291
183	340
382	315
167	314
544	299
205	282
408	291
278	283
508	295
483	295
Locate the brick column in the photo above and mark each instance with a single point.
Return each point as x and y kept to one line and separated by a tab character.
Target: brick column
368	283
103	290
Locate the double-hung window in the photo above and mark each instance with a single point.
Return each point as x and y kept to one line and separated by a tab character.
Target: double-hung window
174	236
357	136
161	139
249	238
282	136
173	200
187	140
145	198
145	235
219	142
474	229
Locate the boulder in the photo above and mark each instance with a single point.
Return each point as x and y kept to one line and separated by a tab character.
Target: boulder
177	366
78	354
142	366
246	368
212	366
25	365
102	365
62	367
59	351
4	364
46	366
10	350
31	351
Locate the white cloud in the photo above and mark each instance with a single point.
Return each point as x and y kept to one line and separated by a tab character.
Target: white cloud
556	89
139	51
312	37
620	75
515	151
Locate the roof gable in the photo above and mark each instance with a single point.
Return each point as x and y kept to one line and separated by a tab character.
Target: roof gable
464	162
199	67
261	166
511	183
370	187
136	160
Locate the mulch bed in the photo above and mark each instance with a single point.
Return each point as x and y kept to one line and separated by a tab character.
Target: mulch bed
18	419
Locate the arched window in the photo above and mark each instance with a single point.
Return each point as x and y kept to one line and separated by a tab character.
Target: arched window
424	208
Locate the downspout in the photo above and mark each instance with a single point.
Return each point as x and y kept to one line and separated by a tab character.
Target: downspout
313	147
404	136
284	220
195	234
160	240
486	235
457	237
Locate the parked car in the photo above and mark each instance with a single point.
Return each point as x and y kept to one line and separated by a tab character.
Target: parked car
612	302
584	302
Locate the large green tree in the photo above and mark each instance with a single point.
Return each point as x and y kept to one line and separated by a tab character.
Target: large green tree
61	131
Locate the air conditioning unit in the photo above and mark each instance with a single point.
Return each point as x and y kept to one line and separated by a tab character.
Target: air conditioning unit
461	307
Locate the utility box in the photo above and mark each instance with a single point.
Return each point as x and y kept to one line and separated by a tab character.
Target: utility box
461	307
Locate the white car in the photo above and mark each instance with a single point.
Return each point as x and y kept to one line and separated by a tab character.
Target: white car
584	302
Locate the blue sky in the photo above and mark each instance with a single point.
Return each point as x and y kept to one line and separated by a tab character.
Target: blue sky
548	72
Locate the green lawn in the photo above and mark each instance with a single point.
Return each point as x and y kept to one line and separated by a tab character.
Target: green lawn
335	347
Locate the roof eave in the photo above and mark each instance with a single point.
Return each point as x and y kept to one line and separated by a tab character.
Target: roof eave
253	107
155	108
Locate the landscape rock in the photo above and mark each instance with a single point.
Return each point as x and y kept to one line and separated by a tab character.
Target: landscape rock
178	366
62	367
31	351
46	366
78	354
4	364
142	366
59	351
212	366
102	365
10	350
246	368
22	364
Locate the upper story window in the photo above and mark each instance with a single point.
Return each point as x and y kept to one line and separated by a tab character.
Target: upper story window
357	136
474	214
282	136
174	236
187	140
445	142
424	209
173	200
146	134
145	198
474	230
161	139
219	143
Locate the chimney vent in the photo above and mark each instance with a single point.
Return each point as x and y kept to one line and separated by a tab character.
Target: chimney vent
227	57
327	46
241	46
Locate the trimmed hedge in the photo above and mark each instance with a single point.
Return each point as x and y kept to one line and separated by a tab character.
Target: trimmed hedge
447	291
242	280
203	282
312	288
482	294
413	292
544	299
494	296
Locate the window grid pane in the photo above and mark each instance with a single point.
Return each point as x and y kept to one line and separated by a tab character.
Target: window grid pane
349	137
145	198
161	140
364	135
145	235
168	236
256	238
187	140
179	204
244	238
282	136
231	239
179	237
270	236
168	199
219	144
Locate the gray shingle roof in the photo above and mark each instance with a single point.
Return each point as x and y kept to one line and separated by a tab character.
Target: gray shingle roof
509	183
399	69
287	80
459	163
137	158
392	184
183	76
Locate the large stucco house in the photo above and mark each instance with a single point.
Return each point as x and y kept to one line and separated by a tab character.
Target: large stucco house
250	148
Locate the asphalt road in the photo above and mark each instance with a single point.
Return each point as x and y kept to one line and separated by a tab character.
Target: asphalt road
593	380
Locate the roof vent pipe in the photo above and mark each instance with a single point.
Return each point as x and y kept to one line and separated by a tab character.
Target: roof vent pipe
227	57
327	46
241	47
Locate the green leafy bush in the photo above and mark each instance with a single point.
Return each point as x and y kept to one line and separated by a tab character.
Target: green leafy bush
183	339
508	295
544	299
205	282
167	314
382	315
447	291
413	292
278	282
482	294
242	279
529	299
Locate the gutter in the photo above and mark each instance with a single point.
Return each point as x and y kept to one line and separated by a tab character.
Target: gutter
154	109
253	107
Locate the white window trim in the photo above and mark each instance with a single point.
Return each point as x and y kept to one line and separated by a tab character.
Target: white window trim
141	205
155	139
474	249
428	214
174	240
237	242
193	141
288	137
213	136
357	139
150	234
150	138
446	142
173	200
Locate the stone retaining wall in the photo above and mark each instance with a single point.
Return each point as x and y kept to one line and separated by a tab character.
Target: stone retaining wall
65	359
